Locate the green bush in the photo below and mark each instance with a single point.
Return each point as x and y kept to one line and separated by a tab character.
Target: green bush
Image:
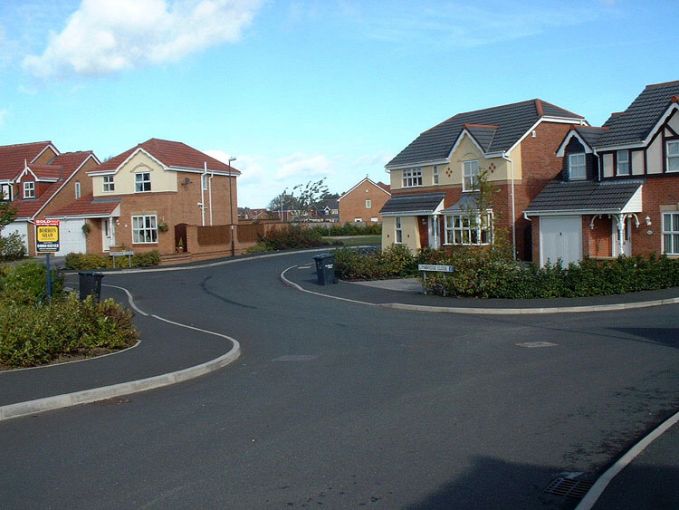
486	272
86	262
291	237
27	283
36	334
351	229
12	247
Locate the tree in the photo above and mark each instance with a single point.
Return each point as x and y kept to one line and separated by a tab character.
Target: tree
7	214
309	195
284	202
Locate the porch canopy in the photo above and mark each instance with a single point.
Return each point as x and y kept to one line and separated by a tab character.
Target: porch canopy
469	202
588	198
421	204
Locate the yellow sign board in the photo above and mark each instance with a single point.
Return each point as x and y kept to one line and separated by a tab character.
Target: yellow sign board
47	236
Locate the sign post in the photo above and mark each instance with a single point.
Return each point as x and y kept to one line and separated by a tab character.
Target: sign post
47	242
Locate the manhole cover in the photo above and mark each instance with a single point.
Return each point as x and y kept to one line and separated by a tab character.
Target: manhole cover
569	487
535	345
297	357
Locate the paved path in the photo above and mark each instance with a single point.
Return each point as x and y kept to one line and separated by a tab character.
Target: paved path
339	405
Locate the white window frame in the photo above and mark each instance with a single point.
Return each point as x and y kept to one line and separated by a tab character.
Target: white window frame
29	189
368	203
467	229
109	184
435	175
398	230
142	180
374	219
5	192
672	156
144	229
205	182
670	233
77	190
470	175
358	220
573	164
412	177
622	165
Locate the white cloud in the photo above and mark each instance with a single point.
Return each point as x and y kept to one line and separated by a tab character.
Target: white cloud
303	165
107	36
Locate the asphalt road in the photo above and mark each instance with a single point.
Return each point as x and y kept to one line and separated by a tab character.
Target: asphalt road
338	405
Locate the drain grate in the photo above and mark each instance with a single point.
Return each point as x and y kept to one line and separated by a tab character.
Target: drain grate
569	488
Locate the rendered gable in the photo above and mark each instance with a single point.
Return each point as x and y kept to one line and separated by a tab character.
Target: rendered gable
124	178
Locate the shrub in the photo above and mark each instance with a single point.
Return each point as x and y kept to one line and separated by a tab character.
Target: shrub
293	236
351	229
27	283
86	262
12	247
32	335
396	261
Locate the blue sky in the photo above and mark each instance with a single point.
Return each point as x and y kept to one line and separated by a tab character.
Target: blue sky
301	90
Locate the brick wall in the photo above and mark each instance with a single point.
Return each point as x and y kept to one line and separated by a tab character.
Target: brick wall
658	191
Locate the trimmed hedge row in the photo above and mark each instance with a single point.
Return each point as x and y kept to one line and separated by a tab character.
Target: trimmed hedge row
485	273
83	261
351	229
291	237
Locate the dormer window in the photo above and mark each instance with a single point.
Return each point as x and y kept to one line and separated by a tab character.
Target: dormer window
577	169
673	156
412	177
29	189
142	182
622	166
6	192
470	175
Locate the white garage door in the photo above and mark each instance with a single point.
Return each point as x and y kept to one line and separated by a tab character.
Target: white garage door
71	237
560	238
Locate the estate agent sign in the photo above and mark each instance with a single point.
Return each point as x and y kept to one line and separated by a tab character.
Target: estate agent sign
47	236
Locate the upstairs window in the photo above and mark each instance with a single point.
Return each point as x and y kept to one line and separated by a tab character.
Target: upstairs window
77	190
435	175
29	189
673	156
412	177
109	185
368	204
6	192
142	182
470	175
577	169
670	231
622	167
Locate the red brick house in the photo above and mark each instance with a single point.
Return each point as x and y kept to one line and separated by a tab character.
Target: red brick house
363	202
434	180
37	179
617	190
144	198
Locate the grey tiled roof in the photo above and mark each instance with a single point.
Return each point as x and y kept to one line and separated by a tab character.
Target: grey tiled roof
591	135
423	202
482	134
512	121
584	196
635	123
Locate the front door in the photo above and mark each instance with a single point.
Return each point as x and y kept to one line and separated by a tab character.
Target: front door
626	238
109	233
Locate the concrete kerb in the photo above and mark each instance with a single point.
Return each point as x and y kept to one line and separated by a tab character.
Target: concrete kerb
488	311
126	388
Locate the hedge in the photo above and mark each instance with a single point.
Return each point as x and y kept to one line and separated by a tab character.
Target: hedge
489	273
85	261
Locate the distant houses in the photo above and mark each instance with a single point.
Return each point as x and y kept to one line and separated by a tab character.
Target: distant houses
363	202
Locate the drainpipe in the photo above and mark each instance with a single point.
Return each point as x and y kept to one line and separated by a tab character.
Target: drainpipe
209	189
202	195
511	176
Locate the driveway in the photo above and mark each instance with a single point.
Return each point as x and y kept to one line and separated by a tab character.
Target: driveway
339	405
